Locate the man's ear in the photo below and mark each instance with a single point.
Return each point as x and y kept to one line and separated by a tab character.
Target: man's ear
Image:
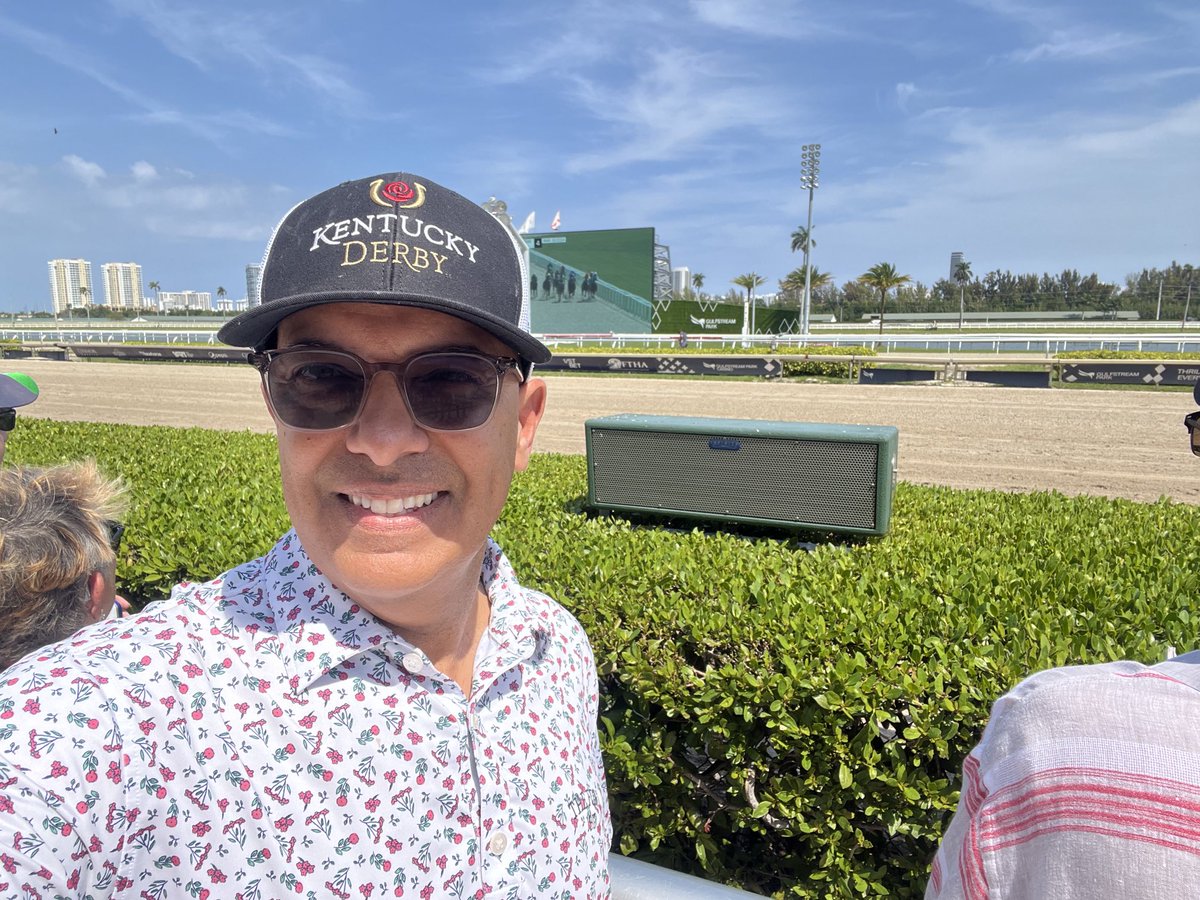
98	597
533	404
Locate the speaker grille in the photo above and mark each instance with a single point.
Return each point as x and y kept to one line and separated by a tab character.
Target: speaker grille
773	479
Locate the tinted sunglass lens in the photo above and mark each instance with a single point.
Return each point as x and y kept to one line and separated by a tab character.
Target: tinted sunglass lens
315	390
451	391
8	419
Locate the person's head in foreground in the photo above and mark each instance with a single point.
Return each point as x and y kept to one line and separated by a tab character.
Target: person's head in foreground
16	390
59	527
395	355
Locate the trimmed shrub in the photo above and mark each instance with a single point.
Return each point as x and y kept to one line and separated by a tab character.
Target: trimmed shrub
1123	354
791	720
811	365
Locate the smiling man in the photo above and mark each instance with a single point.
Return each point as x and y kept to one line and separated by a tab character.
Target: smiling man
376	706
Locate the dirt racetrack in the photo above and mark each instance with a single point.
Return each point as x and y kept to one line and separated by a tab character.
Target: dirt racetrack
1115	443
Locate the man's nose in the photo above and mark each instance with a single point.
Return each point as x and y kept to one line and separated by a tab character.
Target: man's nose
385	429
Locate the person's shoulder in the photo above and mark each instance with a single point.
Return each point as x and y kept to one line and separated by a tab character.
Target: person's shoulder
1071	708
127	647
1178	675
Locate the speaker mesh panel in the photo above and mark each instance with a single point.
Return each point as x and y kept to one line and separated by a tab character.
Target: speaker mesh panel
790	480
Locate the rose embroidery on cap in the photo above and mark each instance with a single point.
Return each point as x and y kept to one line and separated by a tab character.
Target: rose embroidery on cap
402	194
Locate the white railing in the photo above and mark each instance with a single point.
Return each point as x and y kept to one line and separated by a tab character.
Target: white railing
633	879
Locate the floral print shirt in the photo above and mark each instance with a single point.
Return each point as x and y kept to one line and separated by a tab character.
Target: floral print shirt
260	736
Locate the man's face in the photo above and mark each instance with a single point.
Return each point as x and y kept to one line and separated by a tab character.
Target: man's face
448	487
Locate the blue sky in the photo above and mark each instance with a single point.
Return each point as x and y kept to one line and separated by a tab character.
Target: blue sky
1034	135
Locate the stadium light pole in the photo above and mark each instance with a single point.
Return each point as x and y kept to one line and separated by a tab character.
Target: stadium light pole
810	170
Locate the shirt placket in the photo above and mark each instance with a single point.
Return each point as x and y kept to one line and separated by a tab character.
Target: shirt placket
493	717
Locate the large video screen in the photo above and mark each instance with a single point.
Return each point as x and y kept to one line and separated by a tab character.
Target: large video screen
623	257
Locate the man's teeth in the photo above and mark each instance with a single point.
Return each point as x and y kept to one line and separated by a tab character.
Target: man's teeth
382	507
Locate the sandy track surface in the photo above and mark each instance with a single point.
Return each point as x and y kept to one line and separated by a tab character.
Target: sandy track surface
1112	443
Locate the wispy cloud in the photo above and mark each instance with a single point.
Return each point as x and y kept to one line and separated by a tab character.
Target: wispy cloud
585	34
761	18
90	173
905	91
1074	45
206	36
676	104
214	127
170	201
1137	80
980	193
15	193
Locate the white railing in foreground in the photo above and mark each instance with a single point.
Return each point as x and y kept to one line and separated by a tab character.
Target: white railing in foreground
633	879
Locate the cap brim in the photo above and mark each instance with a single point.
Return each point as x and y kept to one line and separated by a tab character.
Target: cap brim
17	389
255	327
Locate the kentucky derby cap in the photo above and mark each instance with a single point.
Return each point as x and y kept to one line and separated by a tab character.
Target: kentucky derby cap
16	389
393	239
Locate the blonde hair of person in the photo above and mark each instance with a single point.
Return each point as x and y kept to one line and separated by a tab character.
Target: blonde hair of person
54	536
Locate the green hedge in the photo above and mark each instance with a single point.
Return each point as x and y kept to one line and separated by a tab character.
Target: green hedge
1123	354
788	720
811	365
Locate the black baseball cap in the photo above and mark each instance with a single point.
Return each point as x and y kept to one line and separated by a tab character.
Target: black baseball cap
393	239
1196	392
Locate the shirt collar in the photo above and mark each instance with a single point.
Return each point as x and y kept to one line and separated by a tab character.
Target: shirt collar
319	627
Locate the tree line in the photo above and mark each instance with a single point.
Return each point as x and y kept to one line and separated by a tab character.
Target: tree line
1152	293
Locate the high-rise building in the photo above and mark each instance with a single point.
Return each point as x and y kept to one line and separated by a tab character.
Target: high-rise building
122	285
195	300
681	280
956	259
70	284
229	304
253	285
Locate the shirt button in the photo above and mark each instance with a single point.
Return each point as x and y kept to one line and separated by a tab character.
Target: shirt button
497	843
412	661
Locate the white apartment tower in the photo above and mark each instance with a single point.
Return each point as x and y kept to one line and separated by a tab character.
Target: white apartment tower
122	285
253	286
681	281
70	284
194	300
956	259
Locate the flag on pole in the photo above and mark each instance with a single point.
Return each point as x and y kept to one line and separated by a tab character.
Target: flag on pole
557	220
527	225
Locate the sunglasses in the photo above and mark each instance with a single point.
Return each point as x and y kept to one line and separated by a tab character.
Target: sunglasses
115	531
1192	423
323	390
8	419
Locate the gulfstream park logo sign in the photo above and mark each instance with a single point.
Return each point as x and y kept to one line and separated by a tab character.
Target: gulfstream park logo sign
711	324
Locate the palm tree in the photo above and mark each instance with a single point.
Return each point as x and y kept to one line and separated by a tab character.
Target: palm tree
962	274
883	277
749	281
220	295
697	281
802	240
84	293
793	282
156	287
